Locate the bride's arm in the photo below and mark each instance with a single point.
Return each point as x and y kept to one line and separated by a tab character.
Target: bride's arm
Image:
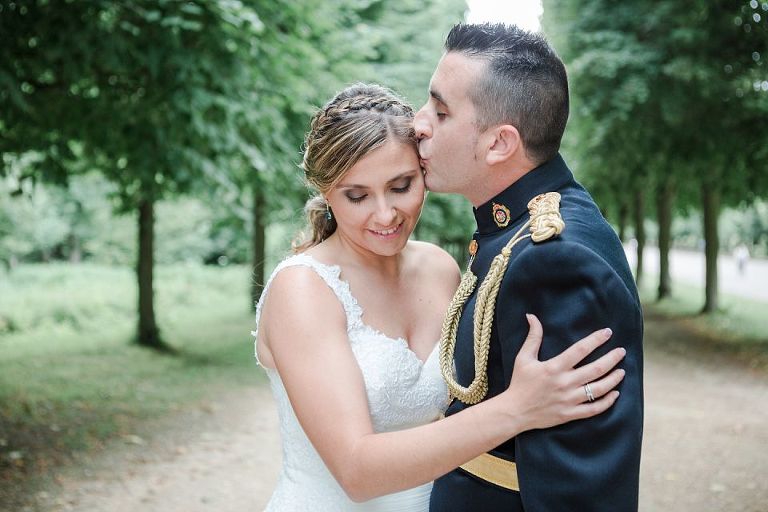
305	329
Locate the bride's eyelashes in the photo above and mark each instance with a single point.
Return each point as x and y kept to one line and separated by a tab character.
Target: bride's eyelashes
355	199
404	188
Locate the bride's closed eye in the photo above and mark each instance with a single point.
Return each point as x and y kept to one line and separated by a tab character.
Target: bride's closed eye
404	187
356	199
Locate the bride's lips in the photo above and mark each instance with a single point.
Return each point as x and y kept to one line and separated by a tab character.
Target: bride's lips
389	232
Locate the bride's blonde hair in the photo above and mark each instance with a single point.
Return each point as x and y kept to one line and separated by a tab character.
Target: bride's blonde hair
353	123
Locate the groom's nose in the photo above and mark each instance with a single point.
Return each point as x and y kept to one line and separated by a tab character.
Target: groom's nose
421	124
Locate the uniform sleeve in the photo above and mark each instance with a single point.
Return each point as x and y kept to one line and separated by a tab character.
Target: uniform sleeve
585	465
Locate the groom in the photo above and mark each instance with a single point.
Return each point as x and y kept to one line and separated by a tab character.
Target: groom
491	132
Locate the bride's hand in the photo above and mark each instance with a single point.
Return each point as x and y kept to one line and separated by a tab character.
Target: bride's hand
552	392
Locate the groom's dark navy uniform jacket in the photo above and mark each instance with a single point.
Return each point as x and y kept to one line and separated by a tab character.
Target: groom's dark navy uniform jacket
575	283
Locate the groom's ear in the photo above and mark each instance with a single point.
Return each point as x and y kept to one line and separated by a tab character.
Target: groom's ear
503	143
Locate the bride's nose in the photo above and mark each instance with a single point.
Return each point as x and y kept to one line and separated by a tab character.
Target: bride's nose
385	213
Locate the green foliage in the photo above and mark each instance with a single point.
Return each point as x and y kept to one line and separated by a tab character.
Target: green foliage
448	222
666	91
210	98
31	225
403	55
81	223
147	89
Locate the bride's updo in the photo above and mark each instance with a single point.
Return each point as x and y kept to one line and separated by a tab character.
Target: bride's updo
356	121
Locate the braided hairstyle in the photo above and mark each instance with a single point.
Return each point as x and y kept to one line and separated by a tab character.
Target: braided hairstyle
358	120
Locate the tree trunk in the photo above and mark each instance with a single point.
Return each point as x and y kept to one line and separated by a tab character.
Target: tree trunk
623	214
75	249
258	244
147	333
664	200
711	206
639	204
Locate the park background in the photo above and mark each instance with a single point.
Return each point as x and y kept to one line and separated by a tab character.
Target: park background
149	183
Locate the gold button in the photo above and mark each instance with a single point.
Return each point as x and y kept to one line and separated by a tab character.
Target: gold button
473	247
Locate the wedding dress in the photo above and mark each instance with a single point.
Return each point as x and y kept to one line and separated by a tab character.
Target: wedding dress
402	392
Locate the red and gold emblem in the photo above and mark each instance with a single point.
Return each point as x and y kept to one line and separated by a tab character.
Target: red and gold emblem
501	215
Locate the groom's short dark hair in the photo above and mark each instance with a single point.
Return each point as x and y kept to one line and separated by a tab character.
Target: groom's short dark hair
525	83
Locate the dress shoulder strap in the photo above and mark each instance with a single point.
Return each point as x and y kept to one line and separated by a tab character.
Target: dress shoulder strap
331	275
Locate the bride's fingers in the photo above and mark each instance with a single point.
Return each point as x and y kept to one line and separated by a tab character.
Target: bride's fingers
600	387
599	367
581	349
532	343
589	409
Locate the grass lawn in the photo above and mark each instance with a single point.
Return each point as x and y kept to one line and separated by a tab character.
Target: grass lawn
740	327
70	378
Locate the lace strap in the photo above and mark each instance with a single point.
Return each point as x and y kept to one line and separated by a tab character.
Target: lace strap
330	274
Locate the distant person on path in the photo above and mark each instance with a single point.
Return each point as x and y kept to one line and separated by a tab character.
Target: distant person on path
741	255
348	332
491	132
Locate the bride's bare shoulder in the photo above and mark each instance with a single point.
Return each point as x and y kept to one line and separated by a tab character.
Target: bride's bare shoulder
434	261
295	276
300	289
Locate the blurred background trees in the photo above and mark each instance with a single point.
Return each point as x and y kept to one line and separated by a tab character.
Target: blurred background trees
166	131
188	118
668	117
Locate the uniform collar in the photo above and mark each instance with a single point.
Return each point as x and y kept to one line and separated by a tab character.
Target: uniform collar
513	201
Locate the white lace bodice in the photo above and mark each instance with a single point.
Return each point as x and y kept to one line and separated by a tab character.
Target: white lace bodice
402	392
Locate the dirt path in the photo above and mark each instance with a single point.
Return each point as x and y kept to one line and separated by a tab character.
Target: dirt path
706	446
706	428
222	456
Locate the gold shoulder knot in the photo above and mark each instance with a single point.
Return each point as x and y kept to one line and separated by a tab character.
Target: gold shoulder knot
546	221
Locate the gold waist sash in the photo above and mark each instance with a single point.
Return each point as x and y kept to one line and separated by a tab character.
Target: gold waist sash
494	469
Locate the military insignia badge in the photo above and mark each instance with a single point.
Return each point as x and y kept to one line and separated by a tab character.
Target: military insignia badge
501	215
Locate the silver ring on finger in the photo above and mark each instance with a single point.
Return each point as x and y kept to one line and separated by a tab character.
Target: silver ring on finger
588	392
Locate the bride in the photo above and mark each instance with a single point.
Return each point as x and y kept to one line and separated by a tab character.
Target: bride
347	330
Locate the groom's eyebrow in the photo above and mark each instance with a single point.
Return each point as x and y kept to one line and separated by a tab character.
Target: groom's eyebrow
437	96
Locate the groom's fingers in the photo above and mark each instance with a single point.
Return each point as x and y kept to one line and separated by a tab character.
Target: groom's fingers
532	343
581	349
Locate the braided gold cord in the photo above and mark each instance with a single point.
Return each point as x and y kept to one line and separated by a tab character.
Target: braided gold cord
545	223
450	326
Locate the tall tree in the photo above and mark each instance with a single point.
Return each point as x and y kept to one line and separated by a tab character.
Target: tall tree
152	92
